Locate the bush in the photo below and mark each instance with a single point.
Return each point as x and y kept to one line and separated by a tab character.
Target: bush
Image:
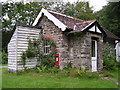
54	69
4	58
36	49
23	57
42	68
48	60
109	60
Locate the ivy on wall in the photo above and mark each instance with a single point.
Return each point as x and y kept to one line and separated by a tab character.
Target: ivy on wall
36	50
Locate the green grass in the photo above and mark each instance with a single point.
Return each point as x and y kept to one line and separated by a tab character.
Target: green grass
3	64
47	80
114	74
111	74
0	78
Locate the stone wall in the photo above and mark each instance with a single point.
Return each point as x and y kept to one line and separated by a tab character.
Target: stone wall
58	37
80	51
74	48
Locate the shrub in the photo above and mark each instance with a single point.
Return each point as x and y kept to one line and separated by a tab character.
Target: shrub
42	68
31	51
35	49
4	58
109	61
81	72
23	59
48	60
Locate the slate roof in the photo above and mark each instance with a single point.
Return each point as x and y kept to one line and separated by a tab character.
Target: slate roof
77	25
110	34
70	21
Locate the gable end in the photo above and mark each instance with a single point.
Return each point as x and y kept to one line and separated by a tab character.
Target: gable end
50	17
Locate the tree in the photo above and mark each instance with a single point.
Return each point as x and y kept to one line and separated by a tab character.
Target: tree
80	10
109	17
13	12
26	13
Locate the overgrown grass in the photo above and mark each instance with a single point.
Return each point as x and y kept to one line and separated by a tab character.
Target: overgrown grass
51	80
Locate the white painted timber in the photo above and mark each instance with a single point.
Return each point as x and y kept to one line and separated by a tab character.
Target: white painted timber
98	30
18	44
87	26
93	29
50	17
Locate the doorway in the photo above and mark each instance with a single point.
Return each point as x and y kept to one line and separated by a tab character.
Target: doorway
94	55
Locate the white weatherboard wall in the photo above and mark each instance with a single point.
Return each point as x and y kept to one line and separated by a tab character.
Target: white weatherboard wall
18	44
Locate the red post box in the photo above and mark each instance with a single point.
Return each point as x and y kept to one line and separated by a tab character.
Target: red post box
57	59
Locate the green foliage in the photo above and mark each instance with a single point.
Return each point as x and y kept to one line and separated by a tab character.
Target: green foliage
23	57
48	60
20	12
79	9
92	75
42	68
106	73
69	65
81	72
109	17
6	36
4	59
50	80
31	51
35	49
54	69
109	61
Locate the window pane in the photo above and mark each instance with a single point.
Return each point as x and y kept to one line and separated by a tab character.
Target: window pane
46	47
93	48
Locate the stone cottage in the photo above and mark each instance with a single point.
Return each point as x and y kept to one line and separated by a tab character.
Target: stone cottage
77	41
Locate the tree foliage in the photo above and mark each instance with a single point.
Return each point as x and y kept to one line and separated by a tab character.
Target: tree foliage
109	58
26	13
109	17
81	10
18	12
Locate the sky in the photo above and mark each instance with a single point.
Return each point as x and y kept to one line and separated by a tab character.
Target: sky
96	4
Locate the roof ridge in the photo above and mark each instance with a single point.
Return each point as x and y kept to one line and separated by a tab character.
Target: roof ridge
52	11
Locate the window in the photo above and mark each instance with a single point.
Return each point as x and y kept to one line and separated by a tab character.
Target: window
46	47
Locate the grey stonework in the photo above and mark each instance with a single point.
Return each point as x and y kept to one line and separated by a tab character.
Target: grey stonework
74	48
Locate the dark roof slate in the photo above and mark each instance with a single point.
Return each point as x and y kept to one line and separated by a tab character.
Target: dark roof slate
77	24
110	34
